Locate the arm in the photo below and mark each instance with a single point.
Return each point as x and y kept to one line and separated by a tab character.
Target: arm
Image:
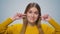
55	25
4	25
46	17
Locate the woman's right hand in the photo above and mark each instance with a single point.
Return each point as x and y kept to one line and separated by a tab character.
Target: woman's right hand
18	16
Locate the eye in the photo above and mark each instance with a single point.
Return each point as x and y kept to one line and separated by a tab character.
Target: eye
36	12
30	11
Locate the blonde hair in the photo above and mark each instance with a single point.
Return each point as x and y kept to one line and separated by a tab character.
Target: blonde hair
38	22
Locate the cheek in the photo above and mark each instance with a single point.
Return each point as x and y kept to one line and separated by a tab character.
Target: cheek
28	15
36	17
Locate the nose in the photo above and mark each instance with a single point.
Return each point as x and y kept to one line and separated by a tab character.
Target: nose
32	14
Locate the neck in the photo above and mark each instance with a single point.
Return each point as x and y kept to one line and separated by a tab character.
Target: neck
31	24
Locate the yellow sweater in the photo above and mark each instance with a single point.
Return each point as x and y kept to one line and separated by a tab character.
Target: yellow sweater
16	28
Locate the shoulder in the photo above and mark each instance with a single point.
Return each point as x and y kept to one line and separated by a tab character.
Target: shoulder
15	27
47	28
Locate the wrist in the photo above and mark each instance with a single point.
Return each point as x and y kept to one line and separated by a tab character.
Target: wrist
13	18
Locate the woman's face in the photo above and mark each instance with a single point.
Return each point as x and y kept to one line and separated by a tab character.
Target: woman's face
32	15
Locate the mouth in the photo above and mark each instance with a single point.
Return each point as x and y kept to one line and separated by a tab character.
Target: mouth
32	19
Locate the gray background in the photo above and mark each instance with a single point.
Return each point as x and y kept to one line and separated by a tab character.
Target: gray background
9	7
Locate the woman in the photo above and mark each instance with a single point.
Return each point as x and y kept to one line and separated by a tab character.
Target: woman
31	22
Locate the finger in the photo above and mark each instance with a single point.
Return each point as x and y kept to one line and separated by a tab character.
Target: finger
19	14
41	17
23	14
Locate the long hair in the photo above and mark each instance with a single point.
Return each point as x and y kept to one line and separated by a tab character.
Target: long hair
38	22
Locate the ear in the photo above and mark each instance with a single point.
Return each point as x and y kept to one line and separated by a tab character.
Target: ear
24	16
40	17
25	21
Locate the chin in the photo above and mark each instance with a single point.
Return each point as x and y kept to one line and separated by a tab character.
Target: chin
32	21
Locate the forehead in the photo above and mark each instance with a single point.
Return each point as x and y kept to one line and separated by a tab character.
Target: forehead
34	9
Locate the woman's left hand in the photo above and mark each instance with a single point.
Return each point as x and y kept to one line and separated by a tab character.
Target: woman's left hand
46	17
